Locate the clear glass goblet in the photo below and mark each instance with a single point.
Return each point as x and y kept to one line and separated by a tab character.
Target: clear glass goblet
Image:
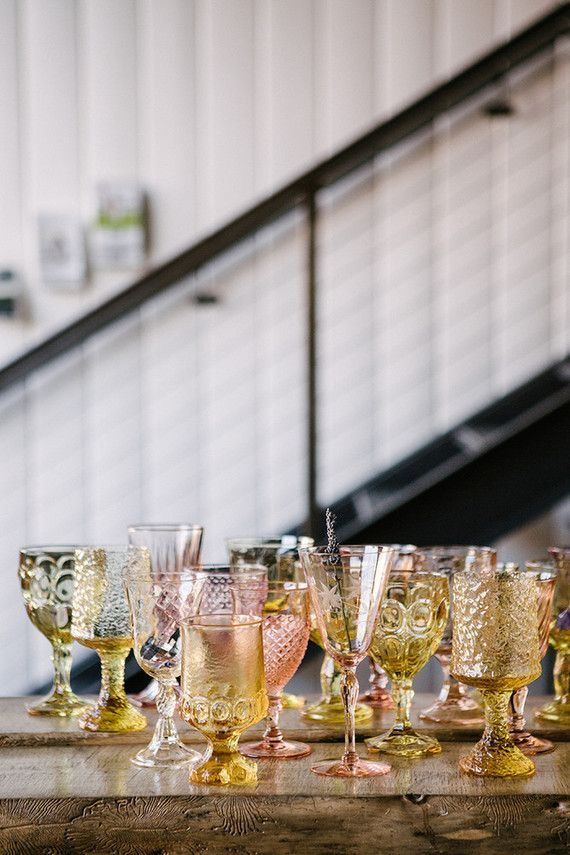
496	649
159	603
47	578
346	589
286	624
101	621
558	710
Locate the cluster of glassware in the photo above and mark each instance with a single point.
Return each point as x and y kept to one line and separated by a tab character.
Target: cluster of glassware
235	635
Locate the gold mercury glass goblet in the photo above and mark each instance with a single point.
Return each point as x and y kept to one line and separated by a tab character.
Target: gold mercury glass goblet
454	704
223	691
286	625
101	621
545	578
558	710
47	578
496	649
159	603
346	588
409	628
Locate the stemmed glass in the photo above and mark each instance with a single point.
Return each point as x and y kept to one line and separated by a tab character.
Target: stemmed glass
545	578
286	625
47	578
101	621
496	649
159	603
345	590
454	705
410	625
227	590
559	709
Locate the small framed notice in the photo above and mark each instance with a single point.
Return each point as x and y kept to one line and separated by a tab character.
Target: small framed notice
63	262
118	238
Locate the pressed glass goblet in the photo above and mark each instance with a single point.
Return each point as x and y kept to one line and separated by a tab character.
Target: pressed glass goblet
101	621
227	590
47	577
559	709
286	625
345	590
545	578
223	691
410	624
496	649
454	704
159	602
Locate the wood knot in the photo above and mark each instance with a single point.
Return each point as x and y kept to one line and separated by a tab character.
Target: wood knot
416	799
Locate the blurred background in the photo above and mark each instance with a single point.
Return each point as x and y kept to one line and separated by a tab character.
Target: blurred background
250	267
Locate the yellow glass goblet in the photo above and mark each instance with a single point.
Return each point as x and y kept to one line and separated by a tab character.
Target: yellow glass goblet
47	577
223	691
496	649
409	628
559	709
101	621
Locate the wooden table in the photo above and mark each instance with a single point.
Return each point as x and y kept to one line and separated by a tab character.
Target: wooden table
65	791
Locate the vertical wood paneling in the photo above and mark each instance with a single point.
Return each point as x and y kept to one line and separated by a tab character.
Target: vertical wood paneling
560	211
10	209
402	74
464	29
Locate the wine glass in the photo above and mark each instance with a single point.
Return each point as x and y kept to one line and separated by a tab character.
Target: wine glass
496	649
559	709
223	691
47	577
411	622
454	704
286	624
545	577
345	589
101	621
159	603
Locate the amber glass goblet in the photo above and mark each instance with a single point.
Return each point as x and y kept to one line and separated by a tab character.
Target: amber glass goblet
545	577
47	577
101	621
496	649
346	588
159	602
558	710
286	624
409	628
223	691
454	704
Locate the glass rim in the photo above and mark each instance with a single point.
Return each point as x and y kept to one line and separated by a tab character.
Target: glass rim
354	548
225	620
62	549
165	527
559	550
460	549
269	541
228	569
112	548
544	569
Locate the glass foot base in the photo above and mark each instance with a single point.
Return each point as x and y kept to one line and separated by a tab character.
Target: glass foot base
555	711
504	761
378	699
407	744
461	711
333	712
225	769
292	702
282	751
62	706
360	769
112	719
167	755
530	745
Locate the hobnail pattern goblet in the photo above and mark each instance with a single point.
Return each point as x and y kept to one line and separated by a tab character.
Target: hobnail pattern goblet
101	621
223	691
47	577
286	625
345	589
558	710
496	649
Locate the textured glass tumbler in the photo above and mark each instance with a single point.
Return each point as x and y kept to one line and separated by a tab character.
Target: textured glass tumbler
496	649
558	710
346	589
159	603
102	622
223	692
286	624
47	577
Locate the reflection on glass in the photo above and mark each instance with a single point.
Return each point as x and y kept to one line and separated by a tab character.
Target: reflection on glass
559	709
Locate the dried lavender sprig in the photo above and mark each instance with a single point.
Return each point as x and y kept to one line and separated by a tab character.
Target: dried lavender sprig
332	542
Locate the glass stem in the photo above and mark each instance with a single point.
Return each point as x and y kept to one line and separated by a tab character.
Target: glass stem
562	677
330	679
165	729
378	677
403	694
113	679
61	658
517	703
273	736
349	694
225	746
496	733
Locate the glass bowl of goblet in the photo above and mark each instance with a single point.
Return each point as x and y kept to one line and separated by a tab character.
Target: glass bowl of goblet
223	691
286	624
346	588
47	578
230	590
558	710
101	621
454	704
496	649
159	602
545	577
410	625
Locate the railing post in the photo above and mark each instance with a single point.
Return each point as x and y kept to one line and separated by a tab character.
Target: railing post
312	506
